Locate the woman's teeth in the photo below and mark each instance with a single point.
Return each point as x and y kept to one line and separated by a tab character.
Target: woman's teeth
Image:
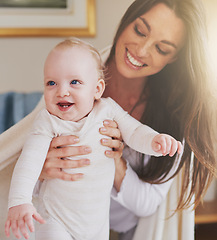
133	60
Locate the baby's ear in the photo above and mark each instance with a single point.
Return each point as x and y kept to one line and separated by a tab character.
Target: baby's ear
99	89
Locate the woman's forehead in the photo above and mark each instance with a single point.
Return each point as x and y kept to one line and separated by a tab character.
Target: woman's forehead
163	22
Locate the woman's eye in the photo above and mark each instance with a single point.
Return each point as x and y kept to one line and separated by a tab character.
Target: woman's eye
161	51
138	32
75	82
51	83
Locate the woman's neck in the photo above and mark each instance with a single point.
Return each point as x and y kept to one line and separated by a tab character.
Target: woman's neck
125	91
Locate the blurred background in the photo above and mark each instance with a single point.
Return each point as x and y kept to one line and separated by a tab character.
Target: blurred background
21	71
22	58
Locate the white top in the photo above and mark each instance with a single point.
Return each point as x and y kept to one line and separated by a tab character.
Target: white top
83	206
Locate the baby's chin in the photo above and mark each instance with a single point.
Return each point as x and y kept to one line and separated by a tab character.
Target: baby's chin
69	117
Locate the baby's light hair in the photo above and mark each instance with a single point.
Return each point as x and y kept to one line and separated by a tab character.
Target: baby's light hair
71	42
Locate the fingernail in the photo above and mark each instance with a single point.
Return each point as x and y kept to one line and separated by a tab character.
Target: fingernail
78	176
87	149
86	162
106	122
103	129
104	140
108	152
76	140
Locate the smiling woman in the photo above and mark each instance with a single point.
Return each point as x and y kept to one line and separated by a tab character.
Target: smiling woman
34	3
146	48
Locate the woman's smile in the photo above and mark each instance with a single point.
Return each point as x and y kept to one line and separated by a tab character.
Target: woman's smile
134	61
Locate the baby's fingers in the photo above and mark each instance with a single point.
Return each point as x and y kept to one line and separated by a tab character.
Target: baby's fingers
23	228
38	218
163	145
173	148
180	148
29	222
157	147
7	228
15	229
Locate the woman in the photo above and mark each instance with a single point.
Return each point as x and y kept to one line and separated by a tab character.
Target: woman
157	70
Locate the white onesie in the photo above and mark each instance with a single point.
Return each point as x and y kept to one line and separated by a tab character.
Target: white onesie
82	207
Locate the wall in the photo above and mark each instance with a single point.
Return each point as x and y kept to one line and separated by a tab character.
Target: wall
22	59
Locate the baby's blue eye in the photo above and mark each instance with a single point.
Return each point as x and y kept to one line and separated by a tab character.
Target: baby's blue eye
75	82
51	83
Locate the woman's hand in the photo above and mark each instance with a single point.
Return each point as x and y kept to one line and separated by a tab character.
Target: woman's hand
55	161
110	129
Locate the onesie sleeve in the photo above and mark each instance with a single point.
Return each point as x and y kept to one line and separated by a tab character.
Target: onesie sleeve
29	164
135	134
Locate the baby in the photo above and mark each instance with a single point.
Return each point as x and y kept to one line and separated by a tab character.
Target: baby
73	86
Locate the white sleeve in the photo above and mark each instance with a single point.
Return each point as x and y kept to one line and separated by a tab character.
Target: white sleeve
140	197
136	135
12	140
28	167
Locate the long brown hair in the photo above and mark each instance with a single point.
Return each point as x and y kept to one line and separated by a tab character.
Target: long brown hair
180	102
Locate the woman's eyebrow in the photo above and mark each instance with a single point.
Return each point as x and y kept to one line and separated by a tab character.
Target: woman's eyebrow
149	29
169	43
146	23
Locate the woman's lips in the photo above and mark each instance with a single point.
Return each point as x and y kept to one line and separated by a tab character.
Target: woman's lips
134	61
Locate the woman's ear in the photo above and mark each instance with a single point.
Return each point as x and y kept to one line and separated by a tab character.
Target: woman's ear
99	89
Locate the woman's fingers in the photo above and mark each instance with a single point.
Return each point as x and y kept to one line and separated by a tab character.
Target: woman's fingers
116	145
51	173
56	161
64	141
112	143
110	129
68	151
59	163
53	169
52	166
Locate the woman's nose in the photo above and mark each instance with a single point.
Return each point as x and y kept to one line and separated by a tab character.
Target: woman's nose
144	50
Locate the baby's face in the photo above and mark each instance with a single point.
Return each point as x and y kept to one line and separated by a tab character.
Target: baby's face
70	83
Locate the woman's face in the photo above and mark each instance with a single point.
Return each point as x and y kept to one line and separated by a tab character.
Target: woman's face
149	43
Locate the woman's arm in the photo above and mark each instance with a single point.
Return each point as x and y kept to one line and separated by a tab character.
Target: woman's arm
140	197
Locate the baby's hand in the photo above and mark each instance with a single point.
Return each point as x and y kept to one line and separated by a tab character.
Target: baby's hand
165	144
20	216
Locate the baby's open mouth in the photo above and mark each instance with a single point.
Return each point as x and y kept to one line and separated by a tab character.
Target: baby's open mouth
64	105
